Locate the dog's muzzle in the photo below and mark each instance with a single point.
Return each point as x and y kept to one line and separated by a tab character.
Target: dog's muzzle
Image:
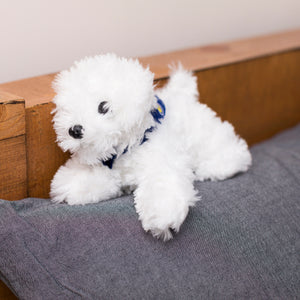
76	131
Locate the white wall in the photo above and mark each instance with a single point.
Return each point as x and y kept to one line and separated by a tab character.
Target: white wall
38	36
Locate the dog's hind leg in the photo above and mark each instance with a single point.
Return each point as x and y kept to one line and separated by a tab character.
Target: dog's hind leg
221	154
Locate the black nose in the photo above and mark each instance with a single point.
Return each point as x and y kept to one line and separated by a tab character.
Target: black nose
76	132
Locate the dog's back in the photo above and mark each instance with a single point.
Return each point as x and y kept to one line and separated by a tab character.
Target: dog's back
216	152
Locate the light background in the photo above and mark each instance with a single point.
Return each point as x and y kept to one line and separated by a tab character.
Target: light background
39	37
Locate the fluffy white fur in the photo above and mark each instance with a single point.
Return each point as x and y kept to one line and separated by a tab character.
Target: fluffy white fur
191	143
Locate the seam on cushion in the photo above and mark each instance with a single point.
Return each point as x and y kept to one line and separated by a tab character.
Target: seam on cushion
51	275
22	219
281	164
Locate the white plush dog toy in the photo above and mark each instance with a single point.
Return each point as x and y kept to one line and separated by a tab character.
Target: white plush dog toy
126	136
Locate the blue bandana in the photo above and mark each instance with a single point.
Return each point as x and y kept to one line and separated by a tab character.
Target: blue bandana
158	114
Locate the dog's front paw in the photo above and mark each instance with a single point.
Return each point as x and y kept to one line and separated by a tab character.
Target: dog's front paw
160	232
80	184
162	220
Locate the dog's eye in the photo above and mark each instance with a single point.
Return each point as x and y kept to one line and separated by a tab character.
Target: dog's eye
103	108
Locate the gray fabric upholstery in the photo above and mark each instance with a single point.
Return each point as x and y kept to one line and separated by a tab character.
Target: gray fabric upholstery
240	241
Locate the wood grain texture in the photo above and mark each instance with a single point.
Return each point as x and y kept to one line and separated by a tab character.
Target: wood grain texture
6	97
6	293
12	116
13	179
43	155
221	54
35	90
259	97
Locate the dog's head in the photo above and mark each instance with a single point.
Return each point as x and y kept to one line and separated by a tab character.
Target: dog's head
102	106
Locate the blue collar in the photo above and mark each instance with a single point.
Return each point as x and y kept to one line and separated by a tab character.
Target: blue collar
158	114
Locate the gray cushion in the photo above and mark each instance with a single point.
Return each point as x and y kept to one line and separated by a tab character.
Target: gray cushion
240	241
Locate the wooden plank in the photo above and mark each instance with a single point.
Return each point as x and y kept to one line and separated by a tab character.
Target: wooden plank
12	116
259	97
35	90
13	179
221	54
6	97
43	155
